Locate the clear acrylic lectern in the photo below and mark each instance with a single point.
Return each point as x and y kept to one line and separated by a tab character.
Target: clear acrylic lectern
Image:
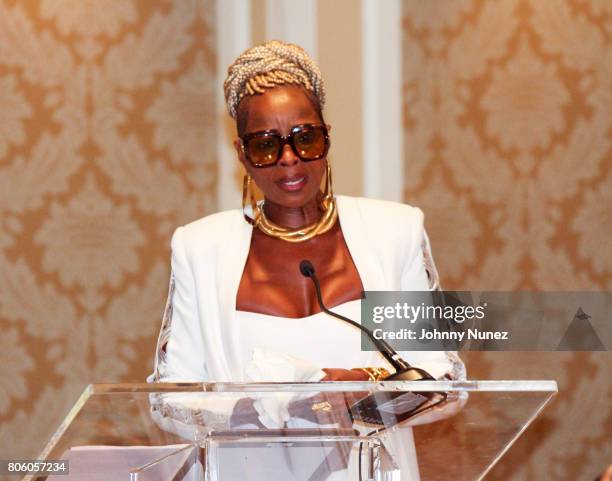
395	431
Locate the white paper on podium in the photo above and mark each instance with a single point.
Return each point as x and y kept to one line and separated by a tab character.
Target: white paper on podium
271	366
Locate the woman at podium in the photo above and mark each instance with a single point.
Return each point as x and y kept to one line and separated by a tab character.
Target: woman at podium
237	298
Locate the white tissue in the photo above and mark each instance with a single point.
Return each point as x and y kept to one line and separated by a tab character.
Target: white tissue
271	366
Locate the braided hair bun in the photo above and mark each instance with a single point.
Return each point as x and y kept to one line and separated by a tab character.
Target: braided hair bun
268	65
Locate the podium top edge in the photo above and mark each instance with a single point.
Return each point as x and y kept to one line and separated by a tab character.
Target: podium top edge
549	386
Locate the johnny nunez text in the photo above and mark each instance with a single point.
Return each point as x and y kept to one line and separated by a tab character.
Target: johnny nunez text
436	335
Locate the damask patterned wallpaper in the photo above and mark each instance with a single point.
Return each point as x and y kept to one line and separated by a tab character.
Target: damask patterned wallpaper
508	136
107	142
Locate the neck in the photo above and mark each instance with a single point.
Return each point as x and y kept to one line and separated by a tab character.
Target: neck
293	217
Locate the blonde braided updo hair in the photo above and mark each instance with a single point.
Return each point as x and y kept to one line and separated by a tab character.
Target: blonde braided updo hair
268	65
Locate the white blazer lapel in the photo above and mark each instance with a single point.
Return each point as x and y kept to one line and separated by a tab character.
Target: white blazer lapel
232	259
356	236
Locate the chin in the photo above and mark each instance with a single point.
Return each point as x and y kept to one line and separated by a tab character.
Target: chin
294	200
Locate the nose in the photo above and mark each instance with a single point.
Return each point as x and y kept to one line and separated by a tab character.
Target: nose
288	157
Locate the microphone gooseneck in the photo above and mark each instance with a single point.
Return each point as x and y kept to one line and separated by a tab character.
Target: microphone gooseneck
403	370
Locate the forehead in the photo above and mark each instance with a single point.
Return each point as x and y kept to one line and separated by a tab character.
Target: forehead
278	108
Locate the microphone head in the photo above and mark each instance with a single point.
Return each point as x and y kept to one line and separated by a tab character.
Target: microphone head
306	268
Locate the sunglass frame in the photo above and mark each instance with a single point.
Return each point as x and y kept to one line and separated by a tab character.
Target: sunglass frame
284	140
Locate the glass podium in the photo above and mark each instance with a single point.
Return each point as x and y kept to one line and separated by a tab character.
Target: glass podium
389	430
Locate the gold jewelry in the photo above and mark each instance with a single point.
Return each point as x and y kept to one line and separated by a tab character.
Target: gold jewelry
247	194
322	406
328	192
259	219
375	373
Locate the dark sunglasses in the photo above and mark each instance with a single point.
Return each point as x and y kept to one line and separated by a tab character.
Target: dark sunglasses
308	142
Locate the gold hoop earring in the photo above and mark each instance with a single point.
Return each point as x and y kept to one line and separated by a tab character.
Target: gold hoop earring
328	191
249	196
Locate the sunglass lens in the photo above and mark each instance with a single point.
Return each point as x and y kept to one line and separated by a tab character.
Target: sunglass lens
310	142
263	150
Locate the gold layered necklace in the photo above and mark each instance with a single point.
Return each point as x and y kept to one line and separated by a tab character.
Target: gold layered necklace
323	225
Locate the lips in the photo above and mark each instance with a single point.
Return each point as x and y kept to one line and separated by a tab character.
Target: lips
293	183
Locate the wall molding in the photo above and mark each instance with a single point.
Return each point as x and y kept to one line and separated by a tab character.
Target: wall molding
233	37
293	21
383	155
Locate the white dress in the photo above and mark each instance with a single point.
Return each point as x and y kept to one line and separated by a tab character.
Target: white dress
324	341
319	339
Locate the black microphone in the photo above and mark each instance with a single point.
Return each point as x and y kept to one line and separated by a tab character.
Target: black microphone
403	370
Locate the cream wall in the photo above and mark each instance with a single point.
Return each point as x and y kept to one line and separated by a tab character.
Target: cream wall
339	56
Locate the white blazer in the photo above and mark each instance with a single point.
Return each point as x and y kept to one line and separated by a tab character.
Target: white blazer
386	240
